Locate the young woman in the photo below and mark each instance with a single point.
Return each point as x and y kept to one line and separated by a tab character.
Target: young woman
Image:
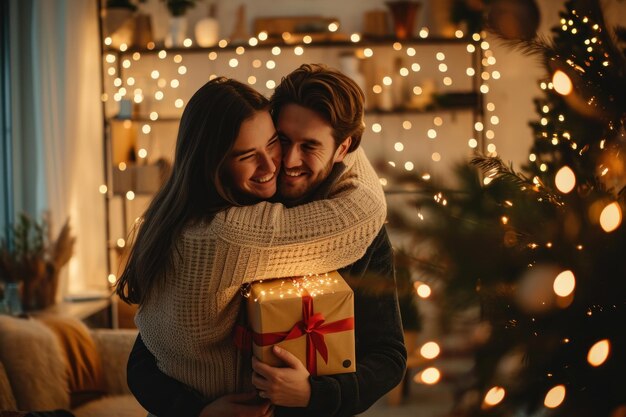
201	239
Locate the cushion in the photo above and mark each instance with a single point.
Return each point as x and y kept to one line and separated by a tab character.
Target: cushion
7	400
86	378
114	347
33	360
114	406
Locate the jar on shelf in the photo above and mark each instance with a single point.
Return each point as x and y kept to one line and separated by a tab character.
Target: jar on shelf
207	30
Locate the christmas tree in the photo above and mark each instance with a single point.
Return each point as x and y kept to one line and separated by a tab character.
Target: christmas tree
543	251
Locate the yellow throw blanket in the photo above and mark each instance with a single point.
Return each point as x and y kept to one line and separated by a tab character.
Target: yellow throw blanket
86	377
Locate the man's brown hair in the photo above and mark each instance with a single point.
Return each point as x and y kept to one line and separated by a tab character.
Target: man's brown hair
328	92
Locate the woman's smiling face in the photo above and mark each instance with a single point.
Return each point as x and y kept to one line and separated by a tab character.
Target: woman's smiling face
254	161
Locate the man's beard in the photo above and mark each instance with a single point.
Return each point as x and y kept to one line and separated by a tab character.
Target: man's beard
294	196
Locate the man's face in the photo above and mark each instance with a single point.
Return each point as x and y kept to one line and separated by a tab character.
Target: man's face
309	152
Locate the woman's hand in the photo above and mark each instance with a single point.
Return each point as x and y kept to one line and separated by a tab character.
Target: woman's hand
287	387
238	405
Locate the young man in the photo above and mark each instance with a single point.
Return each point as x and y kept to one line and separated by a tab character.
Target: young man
319	117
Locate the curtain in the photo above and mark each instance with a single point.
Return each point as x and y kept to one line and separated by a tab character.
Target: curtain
58	128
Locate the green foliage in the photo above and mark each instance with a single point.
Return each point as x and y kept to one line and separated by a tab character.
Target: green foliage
470	12
122	4
27	255
23	249
179	7
501	245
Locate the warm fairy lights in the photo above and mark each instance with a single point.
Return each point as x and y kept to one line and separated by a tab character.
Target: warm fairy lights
555	396
422	290
599	352
564	283
146	81
565	179
311	284
494	396
430	350
562	83
611	217
428	376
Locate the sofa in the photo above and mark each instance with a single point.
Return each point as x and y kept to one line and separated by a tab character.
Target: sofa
53	362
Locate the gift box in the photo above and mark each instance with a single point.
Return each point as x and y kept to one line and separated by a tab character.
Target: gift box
312	317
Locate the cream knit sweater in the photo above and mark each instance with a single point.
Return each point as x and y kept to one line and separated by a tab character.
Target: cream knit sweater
187	323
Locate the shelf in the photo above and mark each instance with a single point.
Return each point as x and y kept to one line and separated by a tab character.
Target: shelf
270	43
470	100
137	194
79	307
432	109
144	120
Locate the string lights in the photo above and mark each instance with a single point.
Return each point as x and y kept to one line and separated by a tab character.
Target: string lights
158	93
579	132
120	92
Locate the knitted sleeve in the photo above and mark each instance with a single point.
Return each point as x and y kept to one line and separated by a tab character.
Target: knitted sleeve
320	236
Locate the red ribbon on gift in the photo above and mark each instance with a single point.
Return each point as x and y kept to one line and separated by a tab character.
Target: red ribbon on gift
312	325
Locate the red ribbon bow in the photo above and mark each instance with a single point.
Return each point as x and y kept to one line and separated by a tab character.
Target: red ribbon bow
312	325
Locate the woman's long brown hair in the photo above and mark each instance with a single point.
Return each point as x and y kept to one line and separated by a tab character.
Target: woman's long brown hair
196	189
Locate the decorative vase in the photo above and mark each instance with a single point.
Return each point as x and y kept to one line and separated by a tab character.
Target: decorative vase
207	30
399	87
384	99
114	18
119	25
176	32
440	21
375	23
143	34
349	64
403	14
240	33
12	299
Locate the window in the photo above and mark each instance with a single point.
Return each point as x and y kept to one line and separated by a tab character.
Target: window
6	175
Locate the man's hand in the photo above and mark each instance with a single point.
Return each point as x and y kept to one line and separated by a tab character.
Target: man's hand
238	405
287	387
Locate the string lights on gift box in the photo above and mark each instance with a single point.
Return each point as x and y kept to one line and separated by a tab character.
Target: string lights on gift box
311	284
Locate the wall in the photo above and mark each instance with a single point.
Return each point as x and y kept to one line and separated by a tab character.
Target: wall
511	95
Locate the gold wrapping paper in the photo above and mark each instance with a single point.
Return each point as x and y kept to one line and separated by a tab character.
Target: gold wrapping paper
276	306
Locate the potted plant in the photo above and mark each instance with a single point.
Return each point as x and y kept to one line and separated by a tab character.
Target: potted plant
120	4
117	18
179	7
28	257
178	21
